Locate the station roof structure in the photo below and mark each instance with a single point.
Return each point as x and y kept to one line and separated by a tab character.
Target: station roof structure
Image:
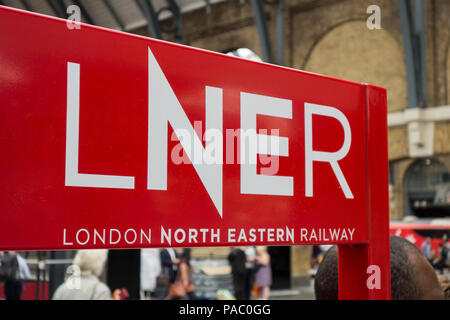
125	15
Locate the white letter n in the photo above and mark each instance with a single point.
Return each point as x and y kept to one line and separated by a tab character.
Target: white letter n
164	108
73	178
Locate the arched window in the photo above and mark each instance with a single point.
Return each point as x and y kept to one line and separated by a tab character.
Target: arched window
427	189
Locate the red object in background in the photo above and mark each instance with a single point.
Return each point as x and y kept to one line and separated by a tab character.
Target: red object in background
124	294
91	91
29	290
417	233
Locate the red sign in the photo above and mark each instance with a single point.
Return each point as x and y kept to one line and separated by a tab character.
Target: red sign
111	140
91	122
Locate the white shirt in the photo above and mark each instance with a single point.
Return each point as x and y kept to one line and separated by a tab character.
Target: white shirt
172	254
250	253
150	268
23	272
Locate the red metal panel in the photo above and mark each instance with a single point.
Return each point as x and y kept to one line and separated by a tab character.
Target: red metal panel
354	261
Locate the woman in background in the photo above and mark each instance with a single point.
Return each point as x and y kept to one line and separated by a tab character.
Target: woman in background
263	275
84	283
186	272
183	287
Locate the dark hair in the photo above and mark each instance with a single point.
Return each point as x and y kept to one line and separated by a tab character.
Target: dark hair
404	284
186	255
326	279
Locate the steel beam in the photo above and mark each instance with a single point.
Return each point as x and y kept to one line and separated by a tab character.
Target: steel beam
62	8
414	50
263	33
114	14
419	22
26	5
208	6
55	8
176	12
84	11
280	32
147	10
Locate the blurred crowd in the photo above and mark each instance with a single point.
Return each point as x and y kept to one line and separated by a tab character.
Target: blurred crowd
164	274
252	273
168	274
440	259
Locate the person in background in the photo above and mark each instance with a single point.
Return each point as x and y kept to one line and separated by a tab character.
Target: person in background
84	283
250	254
427	250
263	275
237	260
150	269
412	276
15	270
183	287
169	263
315	255
441	263
186	271
1	271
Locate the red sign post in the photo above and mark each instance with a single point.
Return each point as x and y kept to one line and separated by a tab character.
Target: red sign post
111	140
